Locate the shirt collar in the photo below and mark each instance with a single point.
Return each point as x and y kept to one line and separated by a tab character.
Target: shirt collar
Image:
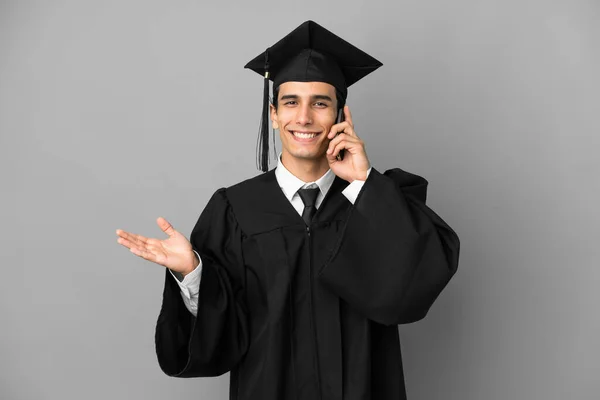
290	184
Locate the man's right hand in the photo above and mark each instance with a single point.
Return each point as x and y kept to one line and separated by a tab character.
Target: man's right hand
175	252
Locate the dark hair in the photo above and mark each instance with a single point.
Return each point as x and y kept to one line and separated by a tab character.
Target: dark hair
338	96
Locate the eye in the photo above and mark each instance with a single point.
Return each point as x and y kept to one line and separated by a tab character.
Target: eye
320	104
290	103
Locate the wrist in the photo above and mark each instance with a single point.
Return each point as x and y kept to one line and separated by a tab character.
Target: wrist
194	265
361	176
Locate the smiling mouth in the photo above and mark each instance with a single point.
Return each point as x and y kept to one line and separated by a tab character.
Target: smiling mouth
304	135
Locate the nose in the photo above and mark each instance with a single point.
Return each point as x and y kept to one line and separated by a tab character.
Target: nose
304	115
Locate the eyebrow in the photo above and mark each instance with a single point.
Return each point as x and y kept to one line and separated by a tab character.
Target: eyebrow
313	97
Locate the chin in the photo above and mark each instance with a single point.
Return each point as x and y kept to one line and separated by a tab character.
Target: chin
298	156
306	154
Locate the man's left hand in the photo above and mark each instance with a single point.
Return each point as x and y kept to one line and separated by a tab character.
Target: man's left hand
355	164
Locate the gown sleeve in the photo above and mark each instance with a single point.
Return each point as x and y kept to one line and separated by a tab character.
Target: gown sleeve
395	255
215	340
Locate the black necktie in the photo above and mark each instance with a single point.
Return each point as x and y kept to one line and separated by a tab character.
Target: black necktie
309	197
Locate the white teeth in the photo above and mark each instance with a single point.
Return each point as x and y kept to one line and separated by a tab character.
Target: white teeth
303	135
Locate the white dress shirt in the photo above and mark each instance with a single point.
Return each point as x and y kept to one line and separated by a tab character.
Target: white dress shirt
289	184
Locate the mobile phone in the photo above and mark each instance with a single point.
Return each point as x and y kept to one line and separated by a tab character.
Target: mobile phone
340	118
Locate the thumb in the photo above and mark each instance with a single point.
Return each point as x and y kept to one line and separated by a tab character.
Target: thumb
165	226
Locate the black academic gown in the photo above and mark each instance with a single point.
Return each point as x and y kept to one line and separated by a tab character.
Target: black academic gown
308	313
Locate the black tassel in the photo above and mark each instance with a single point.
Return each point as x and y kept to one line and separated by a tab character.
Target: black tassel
263	134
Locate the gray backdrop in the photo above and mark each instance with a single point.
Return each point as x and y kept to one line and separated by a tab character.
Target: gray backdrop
113	113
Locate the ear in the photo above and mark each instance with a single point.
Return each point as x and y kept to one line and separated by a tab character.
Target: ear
274	122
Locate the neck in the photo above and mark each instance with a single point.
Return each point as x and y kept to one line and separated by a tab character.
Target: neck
307	170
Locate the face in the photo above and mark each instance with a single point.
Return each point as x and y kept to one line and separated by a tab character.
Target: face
305	113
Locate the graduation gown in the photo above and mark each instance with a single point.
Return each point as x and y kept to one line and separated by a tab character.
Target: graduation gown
308	313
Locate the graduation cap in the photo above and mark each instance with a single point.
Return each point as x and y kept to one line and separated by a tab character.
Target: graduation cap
310	53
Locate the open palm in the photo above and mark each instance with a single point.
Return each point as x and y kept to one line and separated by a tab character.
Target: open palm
175	252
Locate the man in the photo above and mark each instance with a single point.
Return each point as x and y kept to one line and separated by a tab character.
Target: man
296	279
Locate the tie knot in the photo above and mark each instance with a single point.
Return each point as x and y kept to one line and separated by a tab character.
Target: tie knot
308	196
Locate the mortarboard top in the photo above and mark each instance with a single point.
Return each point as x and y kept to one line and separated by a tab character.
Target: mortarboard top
310	53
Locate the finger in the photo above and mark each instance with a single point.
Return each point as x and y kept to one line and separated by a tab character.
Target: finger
350	131
353	145
334	142
125	234
125	243
122	233
165	226
348	115
342	127
339	138
146	255
132	237
133	245
338	128
331	159
339	147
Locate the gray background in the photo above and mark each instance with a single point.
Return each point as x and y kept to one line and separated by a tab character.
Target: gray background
113	113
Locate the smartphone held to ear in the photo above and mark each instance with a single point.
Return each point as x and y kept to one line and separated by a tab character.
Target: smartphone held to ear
340	118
